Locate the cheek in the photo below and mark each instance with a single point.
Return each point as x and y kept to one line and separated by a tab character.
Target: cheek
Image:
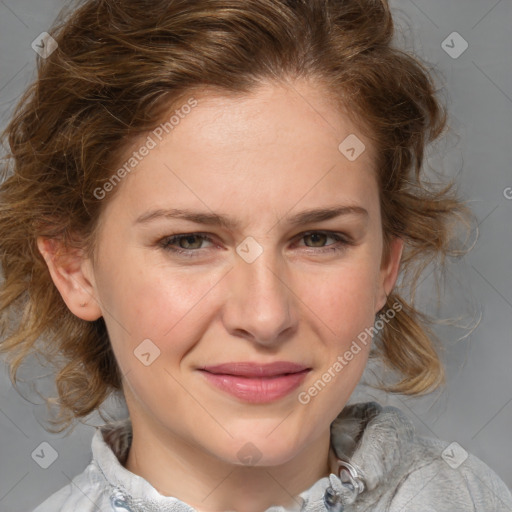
341	299
151	302
173	307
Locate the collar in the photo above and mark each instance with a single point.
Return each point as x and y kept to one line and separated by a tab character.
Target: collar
368	442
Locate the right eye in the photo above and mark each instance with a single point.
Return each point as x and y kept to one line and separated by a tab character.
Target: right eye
186	243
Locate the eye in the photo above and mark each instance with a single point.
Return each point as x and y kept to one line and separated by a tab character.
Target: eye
320	237
317	238
189	244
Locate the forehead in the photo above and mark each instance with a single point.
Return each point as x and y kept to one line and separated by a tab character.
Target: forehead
270	116
257	148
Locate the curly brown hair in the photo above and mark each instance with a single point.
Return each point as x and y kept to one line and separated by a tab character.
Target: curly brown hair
119	67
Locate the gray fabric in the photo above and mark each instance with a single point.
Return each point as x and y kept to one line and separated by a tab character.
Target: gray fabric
390	469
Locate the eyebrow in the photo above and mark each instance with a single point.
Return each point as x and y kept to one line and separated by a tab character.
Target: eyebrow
214	219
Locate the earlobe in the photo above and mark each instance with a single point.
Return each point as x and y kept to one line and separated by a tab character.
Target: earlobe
72	275
389	271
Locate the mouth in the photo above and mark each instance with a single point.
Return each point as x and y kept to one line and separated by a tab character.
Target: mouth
256	383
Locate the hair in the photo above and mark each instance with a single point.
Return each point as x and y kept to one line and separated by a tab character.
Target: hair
119	68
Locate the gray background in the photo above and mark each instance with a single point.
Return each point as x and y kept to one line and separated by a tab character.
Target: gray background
474	409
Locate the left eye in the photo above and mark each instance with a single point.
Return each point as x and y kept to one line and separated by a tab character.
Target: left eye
319	235
188	244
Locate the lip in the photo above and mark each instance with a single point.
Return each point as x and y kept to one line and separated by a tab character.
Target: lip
256	383
250	369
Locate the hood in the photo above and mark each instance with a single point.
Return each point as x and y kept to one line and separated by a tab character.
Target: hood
369	443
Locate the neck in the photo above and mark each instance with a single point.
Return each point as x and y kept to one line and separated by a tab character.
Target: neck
177	468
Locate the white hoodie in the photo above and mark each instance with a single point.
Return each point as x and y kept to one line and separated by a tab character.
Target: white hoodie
378	464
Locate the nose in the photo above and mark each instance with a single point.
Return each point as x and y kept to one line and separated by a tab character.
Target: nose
260	305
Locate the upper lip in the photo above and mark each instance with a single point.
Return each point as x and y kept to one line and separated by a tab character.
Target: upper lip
250	369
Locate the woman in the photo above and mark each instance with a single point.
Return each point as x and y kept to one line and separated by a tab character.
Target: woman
210	206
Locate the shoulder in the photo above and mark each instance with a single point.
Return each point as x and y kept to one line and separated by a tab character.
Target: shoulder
402	471
91	490
85	492
443	476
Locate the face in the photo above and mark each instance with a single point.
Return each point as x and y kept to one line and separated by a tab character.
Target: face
269	284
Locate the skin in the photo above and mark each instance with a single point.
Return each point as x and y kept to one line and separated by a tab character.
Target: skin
259	159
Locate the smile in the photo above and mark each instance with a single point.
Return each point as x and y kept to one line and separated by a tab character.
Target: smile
255	383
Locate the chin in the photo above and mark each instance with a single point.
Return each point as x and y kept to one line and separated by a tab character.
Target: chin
260	450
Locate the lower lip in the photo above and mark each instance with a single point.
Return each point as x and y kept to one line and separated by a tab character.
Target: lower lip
257	389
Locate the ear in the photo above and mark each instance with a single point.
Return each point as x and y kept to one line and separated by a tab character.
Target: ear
73	276
389	272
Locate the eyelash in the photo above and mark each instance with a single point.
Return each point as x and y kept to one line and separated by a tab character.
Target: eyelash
166	243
